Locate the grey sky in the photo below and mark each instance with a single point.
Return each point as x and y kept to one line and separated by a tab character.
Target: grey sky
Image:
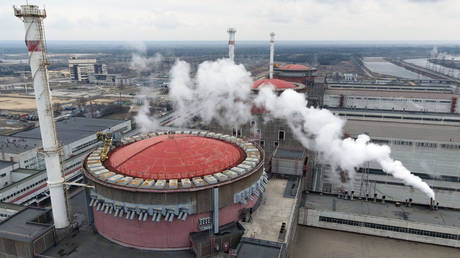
253	19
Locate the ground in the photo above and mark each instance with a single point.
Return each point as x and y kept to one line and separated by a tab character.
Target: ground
313	242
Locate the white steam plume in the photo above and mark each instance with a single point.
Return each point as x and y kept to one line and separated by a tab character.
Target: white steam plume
142	64
319	130
221	91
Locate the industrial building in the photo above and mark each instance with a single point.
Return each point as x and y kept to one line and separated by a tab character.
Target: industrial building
108	80
394	100
81	69
240	192
23	172
159	188
404	221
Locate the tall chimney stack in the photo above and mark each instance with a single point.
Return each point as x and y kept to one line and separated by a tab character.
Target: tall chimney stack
33	17
231	43
272	55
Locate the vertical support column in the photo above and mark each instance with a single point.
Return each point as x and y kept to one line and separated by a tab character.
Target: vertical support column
231	44
215	199
272	55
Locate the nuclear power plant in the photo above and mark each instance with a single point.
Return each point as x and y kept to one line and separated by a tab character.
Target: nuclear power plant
291	176
158	187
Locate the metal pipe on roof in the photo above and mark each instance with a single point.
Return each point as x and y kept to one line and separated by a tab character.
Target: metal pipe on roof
33	17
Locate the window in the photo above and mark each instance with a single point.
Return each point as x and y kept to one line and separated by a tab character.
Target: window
234	131
281	135
275	143
262	143
389	228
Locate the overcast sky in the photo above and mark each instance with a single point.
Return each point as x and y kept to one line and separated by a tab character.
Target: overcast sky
253	19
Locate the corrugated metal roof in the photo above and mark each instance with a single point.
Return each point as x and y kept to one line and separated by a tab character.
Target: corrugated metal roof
73	129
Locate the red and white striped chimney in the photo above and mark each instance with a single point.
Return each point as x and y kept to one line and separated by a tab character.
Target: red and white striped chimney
272	55
231	44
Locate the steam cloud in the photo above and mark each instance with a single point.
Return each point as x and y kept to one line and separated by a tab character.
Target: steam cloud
221	91
142	64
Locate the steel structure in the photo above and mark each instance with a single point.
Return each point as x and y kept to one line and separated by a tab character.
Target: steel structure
32	16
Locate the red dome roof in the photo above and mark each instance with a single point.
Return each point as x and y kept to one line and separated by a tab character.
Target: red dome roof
278	84
174	157
294	67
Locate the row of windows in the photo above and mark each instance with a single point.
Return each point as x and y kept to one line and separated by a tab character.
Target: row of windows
394	99
23	190
73	165
380	172
418	144
426	144
84	145
400	117
390	228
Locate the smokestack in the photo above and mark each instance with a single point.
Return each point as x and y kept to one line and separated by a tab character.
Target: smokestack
272	55
231	44
33	17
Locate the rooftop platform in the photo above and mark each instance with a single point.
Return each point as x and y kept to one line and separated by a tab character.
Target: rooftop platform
24	225
73	129
5	164
16	145
275	209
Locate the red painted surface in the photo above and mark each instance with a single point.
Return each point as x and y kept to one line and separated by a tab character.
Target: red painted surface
302	79
278	84
295	67
231	42
174	157
159	235
33	45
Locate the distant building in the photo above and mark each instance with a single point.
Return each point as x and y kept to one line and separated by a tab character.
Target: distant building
81	69
108	79
397	100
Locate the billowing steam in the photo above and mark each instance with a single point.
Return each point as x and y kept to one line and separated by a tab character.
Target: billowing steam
213	93
144	119
221	92
142	64
321	131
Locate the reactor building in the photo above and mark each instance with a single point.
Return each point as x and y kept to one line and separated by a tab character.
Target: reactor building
155	189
